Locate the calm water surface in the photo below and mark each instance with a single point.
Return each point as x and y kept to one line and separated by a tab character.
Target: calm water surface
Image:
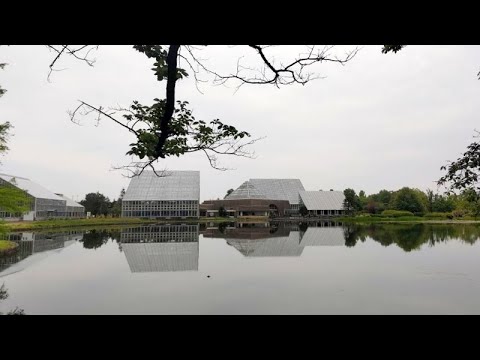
320	268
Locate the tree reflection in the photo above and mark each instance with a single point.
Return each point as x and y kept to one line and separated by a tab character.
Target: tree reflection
96	238
410	237
3	296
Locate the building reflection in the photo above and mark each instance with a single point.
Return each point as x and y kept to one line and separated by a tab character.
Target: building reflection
277	239
161	248
34	247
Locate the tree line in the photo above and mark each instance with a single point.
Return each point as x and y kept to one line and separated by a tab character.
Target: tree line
100	205
410	201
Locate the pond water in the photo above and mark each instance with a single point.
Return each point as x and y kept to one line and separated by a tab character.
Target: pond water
316	268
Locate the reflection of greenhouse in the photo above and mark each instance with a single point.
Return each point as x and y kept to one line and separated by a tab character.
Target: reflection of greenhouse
34	247
276	240
323	236
161	248
269	247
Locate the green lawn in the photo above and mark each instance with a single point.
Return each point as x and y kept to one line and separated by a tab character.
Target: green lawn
66	223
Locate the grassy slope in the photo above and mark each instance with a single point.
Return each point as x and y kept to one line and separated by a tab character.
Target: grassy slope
7	245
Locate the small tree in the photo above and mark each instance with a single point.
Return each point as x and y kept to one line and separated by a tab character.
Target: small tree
222	212
351	202
229	191
96	203
303	210
409	200
116	205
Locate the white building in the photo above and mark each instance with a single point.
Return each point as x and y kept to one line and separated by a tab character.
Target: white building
323	203
174	194
44	203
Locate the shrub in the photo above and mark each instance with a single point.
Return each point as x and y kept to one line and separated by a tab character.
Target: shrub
458	213
438	215
396	213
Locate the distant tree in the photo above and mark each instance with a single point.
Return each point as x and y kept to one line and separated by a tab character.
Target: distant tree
229	191
384	196
374	207
116	205
430	197
443	204
362	198
376	203
409	200
351	202
96	203
303	210
222	212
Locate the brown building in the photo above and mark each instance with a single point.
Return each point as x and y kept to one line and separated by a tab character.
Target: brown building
245	201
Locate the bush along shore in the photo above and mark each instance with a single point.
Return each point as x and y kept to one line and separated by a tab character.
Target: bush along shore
407	216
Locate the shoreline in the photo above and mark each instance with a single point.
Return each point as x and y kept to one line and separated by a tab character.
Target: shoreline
74	223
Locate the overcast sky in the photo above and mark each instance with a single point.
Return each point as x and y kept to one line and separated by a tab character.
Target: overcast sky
382	121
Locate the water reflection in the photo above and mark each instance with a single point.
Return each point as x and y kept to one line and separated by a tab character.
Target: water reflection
4	296
278	239
410	237
34	247
95	239
161	248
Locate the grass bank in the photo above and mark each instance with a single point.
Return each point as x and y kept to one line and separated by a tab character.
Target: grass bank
93	222
6	246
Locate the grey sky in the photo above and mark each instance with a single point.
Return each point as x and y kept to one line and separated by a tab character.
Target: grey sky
380	121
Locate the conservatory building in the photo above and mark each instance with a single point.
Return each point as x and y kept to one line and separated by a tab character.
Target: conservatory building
44	204
323	203
170	194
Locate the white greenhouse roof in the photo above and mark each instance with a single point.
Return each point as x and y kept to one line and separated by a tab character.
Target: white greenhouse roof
70	202
279	189
246	191
323	200
323	236
159	257
171	185
34	189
